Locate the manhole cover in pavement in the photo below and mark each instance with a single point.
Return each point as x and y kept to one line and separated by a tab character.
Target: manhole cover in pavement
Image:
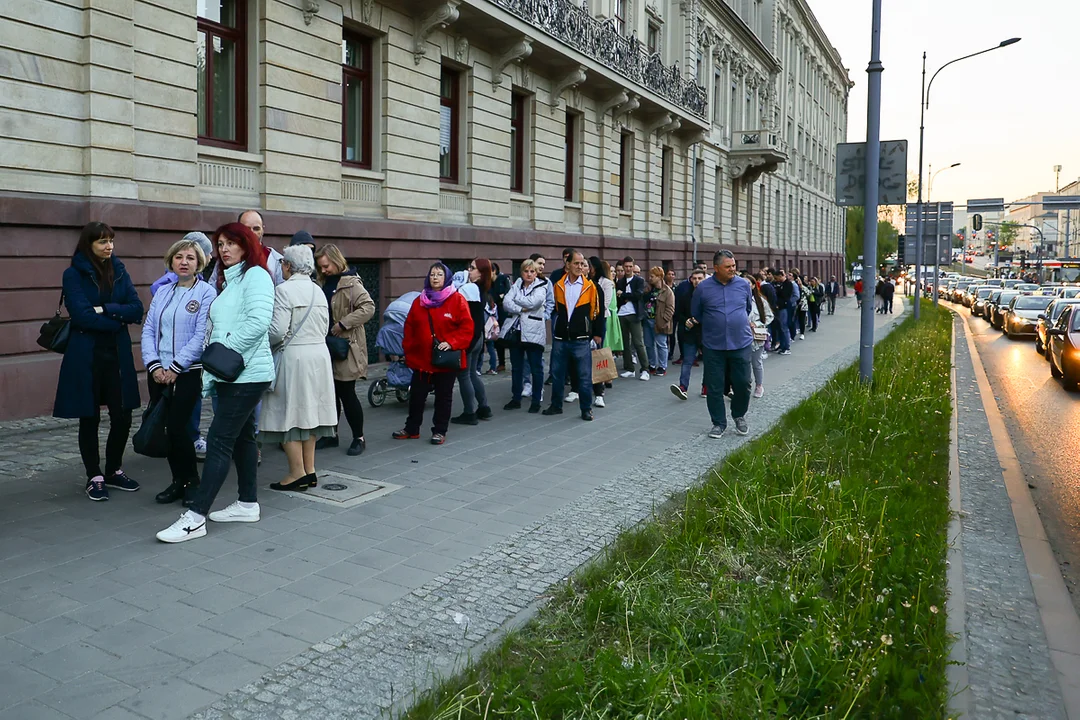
345	490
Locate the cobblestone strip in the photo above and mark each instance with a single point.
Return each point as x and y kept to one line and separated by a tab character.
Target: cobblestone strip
1009	666
375	666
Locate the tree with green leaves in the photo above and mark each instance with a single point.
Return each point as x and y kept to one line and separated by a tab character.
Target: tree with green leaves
1007	233
959	238
886	239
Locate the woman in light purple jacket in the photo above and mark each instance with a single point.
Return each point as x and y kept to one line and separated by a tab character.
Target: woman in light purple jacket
173	337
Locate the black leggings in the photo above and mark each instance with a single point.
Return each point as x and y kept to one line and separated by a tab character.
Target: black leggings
345	396
186	392
107	391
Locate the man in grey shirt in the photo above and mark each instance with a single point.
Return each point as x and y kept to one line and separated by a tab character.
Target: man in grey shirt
721	306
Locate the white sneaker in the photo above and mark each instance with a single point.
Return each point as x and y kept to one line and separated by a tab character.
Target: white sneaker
526	390
200	447
188	527
759	391
801	336
627	374
236	513
571	397
644	376
598	401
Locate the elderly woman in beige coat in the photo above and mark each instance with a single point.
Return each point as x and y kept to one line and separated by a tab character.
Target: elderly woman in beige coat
299	408
350	307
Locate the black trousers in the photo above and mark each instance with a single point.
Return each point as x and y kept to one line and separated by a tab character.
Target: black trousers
423	383
185	394
345	397
107	391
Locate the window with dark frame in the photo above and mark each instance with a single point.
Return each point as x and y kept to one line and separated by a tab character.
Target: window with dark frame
626	163
518	110
620	16
652	38
665	182
356	83
449	125
220	60
570	147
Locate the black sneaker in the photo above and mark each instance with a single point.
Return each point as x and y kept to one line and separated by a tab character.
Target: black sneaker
119	481
534	408
587	416
552	411
512	405
483	413
465	419
95	489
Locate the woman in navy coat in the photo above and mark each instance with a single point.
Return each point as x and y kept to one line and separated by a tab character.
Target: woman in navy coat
98	368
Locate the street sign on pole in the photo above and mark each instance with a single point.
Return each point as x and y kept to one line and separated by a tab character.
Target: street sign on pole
851	173
986	205
937	222
1061	202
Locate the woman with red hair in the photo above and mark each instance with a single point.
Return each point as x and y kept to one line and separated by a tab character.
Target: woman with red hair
477	292
240	321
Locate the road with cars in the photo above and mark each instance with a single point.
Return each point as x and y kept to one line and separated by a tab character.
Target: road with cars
1043	419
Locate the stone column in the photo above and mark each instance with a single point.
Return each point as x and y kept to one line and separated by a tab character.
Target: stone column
109	159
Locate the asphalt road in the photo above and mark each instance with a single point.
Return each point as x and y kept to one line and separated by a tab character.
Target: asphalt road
1043	420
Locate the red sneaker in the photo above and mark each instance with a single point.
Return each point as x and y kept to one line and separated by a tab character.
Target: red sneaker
703	392
404	435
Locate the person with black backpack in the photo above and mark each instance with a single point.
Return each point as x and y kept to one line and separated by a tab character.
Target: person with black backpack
98	367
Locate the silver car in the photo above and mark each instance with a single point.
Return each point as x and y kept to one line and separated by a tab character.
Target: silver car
1022	315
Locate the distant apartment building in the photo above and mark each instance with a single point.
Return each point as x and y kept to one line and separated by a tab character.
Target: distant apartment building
408	132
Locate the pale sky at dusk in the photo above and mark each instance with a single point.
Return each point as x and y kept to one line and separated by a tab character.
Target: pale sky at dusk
1008	116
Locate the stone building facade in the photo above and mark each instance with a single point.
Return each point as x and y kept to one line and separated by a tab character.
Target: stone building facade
409	131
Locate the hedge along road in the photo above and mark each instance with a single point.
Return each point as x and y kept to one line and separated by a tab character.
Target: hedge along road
805	576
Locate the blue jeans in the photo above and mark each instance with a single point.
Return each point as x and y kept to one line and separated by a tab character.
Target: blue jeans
565	353
722	366
493	360
784	316
531	356
792	320
689	353
231	438
656	345
473	393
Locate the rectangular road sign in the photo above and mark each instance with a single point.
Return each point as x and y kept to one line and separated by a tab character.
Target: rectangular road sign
1061	202
851	173
986	205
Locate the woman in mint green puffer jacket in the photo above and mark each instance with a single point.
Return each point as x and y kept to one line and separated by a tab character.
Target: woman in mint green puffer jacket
240	318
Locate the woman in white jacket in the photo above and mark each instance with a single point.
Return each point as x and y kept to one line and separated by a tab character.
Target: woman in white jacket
525	332
761	316
300	408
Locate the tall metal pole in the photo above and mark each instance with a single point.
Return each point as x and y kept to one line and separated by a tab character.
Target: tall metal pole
870	219
937	251
919	217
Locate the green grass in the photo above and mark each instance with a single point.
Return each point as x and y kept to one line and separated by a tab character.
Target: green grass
805	577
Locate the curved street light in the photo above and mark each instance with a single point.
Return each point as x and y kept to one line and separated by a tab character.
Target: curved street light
924	102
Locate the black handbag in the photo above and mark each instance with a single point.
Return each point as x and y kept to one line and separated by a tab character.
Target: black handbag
338	346
152	438
56	331
511	340
222	362
443	359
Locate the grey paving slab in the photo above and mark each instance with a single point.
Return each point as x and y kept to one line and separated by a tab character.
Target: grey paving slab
378	591
145	667
240	622
87	695
32	710
14	653
315	587
270	647
279	604
218	599
127	637
104	613
309	626
195	643
18	684
223	672
171	699
51	634
71	661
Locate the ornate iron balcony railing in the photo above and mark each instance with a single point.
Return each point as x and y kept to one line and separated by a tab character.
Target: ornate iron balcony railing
601	41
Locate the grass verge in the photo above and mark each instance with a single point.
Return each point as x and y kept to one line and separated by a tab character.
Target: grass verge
804	577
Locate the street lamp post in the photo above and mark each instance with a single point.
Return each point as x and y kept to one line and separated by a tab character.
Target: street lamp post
937	235
924	102
870	220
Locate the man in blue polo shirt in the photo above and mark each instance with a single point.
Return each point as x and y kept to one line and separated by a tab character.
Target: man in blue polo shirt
721	306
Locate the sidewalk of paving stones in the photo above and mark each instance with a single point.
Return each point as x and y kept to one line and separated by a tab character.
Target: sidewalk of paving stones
321	611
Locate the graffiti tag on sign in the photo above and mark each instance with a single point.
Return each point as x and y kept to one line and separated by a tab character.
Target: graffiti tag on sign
851	173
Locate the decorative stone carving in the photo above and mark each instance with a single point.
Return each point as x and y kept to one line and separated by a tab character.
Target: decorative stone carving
737	168
517	52
661	120
598	39
572	79
437	19
666	130
627	107
310	9
461	50
617	100
367	8
708	37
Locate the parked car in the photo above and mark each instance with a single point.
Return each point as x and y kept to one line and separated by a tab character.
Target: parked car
994	282
1068	292
1064	347
968	297
1022	314
996	315
960	289
978	306
1047	318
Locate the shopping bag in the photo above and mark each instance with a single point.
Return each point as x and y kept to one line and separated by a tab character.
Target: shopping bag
603	366
152	440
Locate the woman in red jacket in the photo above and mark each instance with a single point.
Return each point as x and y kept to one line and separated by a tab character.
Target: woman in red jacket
439	317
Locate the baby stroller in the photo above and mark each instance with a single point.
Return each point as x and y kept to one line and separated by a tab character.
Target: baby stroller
389	340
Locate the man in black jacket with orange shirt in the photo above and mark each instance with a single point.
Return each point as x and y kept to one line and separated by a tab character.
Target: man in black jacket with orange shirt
577	325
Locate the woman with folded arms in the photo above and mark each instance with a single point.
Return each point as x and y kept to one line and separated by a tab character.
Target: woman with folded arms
240	321
172	344
98	368
524	306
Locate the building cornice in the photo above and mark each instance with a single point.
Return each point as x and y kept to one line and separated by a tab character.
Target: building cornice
730	20
823	40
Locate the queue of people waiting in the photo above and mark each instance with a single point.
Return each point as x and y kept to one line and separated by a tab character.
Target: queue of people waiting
277	341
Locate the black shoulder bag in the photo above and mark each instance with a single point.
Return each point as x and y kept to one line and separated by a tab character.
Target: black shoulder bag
443	359
56	331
